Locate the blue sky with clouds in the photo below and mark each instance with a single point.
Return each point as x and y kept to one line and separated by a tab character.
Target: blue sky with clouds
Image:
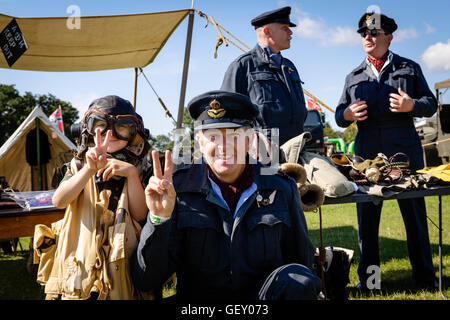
325	48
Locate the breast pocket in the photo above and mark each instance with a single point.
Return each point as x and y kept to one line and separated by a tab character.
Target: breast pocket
265	232
364	89
266	86
403	78
201	239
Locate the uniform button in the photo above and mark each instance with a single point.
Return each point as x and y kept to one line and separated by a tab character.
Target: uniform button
117	267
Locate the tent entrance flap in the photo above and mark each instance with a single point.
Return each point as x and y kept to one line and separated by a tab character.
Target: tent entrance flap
37	155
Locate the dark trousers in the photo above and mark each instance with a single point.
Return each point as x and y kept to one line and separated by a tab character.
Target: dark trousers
291	282
415	220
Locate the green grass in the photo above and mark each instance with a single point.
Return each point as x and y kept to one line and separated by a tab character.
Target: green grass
339	229
16	283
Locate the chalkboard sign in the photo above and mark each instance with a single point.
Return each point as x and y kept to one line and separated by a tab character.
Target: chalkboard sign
12	42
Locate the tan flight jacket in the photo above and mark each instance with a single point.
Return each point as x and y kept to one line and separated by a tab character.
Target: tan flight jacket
89	249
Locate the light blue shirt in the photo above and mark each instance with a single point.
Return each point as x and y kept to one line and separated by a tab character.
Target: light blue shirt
244	196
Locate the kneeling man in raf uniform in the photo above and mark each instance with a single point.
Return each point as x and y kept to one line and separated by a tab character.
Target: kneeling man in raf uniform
227	229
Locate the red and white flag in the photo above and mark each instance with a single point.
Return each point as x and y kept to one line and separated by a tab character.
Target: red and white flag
57	120
313	105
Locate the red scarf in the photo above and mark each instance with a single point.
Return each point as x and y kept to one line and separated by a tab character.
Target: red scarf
379	63
231	192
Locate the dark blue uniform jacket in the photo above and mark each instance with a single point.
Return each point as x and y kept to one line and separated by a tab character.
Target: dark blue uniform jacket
384	131
276	91
214	255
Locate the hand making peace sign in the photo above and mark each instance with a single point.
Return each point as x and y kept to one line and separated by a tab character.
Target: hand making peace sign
96	156
160	194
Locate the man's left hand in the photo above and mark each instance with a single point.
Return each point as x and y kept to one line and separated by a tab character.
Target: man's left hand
401	102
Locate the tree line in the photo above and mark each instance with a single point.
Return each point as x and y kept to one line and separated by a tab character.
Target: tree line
15	108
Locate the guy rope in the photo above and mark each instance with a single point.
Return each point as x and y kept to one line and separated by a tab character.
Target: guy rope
222	39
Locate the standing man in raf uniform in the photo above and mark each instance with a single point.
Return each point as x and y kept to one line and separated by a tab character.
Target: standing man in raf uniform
228	231
269	79
383	95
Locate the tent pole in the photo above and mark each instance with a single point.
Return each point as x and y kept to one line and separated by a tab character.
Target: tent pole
135	87
187	54
38	151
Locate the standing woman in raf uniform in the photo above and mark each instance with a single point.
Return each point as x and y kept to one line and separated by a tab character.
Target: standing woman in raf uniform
383	95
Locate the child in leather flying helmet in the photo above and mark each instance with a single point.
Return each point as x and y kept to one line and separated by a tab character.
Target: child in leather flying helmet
103	193
112	145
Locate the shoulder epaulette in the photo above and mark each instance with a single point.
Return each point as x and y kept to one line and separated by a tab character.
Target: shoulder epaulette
282	174
242	56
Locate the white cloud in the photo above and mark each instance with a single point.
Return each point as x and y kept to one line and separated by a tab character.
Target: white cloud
429	29
328	36
312	29
345	36
405	34
437	57
317	29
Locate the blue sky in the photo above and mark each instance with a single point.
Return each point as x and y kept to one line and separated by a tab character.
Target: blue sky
325	48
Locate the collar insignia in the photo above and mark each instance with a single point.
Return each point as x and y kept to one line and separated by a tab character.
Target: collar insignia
265	201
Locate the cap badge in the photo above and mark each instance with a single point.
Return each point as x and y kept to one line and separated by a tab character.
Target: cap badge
215	111
369	20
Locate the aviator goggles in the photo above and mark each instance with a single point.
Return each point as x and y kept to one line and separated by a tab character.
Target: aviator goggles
124	127
372	32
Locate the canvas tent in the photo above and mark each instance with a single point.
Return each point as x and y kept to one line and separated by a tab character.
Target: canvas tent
14	159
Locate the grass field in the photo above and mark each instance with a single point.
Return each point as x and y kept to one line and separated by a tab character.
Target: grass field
339	229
